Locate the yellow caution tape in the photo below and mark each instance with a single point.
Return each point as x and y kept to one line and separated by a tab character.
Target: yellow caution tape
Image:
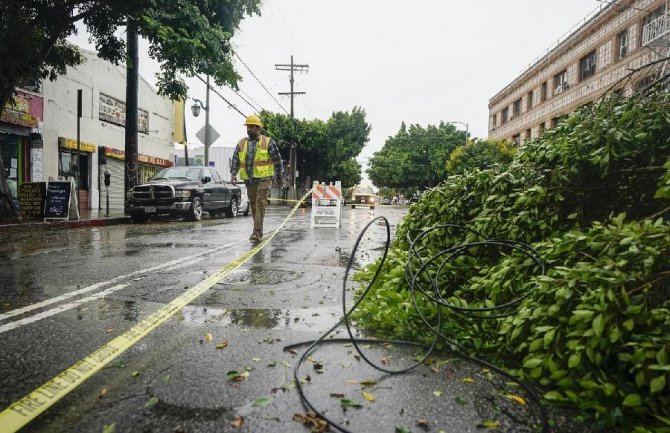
27	408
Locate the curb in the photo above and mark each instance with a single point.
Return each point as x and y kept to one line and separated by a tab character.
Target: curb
51	225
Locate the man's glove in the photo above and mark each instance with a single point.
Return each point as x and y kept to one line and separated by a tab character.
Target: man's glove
233	179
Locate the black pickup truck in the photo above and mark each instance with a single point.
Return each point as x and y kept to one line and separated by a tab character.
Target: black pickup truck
187	191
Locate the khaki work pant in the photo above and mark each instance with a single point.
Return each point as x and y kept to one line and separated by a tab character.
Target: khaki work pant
258	194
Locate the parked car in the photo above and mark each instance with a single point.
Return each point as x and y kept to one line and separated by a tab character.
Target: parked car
187	191
244	207
386	201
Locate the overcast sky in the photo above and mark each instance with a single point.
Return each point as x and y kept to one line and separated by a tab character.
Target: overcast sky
419	61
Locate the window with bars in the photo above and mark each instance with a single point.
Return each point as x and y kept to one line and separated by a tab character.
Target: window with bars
622	44
516	108
560	82
587	65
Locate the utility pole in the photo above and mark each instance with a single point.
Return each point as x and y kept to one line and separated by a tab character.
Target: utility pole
131	105
293	157
207	125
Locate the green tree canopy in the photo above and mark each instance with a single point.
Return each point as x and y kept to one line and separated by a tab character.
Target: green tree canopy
479	154
327	150
187	37
415	157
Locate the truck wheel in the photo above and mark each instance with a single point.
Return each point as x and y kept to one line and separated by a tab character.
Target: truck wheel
231	211
138	217
195	212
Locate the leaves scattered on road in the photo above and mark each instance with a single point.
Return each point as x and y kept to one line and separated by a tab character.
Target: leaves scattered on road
109	428
222	345
151	402
310	419
237	422
262	401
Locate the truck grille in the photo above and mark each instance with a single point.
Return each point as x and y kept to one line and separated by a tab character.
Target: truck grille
153	192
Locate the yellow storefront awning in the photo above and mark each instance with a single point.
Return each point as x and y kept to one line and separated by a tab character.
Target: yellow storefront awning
69	143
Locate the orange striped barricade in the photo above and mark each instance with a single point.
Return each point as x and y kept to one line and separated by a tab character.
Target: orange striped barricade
326	205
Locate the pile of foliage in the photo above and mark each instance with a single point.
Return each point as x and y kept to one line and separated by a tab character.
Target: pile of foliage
589	196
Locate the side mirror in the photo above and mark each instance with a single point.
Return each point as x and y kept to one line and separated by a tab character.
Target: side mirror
206	179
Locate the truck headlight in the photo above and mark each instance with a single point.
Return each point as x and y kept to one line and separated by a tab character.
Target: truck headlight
182	193
129	194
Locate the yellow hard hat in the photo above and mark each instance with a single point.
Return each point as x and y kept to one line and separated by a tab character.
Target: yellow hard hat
253	120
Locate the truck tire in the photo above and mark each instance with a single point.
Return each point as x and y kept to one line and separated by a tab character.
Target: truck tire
138	217
231	210
195	211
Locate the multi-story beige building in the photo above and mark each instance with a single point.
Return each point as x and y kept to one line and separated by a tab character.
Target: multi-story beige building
622	36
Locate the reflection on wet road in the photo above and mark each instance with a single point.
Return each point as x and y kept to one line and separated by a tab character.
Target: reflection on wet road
64	293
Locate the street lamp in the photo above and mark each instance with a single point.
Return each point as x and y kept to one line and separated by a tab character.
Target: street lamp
195	109
467	128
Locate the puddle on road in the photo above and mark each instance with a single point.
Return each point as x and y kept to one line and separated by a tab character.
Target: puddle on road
260	276
313	319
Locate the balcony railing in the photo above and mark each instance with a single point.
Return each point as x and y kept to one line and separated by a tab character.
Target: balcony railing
657	32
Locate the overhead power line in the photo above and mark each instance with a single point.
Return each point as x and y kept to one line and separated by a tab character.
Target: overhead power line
256	110
230	104
259	82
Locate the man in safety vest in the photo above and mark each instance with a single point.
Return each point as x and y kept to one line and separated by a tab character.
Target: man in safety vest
257	160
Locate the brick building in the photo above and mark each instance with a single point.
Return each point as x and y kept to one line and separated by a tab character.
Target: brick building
621	36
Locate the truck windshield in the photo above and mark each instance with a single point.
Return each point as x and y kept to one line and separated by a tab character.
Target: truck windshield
178	173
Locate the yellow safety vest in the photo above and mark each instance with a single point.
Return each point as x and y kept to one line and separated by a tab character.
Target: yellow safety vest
263	165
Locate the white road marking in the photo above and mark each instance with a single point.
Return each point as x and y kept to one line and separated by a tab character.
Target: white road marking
59	309
180	261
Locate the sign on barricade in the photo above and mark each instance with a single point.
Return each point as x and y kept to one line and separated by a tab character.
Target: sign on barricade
326	205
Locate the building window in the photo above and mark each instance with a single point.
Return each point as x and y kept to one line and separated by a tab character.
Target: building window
494	120
528	134
543	92
622	43
516	108
541	129
529	101
504	115
560	82
587	65
516	139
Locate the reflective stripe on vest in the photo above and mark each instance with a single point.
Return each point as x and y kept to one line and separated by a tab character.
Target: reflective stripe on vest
263	165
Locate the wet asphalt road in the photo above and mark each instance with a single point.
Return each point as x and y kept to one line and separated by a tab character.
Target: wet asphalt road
102	281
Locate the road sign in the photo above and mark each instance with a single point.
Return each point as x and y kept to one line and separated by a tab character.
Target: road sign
213	135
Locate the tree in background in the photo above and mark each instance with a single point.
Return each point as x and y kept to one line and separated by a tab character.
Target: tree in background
415	158
479	154
327	150
187	37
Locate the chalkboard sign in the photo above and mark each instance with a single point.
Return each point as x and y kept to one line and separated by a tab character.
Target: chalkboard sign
31	197
57	203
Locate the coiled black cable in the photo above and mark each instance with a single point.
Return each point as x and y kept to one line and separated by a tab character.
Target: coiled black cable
434	293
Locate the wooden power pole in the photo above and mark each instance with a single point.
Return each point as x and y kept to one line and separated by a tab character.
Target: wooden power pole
293	157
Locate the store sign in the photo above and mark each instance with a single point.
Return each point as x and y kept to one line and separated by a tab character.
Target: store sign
145	159
69	143
115	153
113	110
26	110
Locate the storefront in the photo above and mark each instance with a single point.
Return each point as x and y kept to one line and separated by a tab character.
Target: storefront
75	160
148	166
20	144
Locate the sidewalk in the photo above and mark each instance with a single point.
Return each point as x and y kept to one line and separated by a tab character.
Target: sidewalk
88	218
